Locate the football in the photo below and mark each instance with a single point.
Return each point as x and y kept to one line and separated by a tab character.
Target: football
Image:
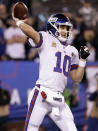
20	11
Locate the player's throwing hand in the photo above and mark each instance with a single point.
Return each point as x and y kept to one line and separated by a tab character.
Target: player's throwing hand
20	12
16	19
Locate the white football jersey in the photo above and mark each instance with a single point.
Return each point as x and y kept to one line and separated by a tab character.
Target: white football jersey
56	61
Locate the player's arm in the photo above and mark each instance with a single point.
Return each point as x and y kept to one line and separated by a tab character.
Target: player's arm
78	73
28	30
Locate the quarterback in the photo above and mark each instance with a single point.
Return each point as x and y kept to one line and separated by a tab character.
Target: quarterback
57	61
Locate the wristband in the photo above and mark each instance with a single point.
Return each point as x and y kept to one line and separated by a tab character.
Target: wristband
18	23
82	63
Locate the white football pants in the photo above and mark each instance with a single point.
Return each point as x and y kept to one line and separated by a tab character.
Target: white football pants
37	109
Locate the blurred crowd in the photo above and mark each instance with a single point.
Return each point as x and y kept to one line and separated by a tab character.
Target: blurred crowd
83	14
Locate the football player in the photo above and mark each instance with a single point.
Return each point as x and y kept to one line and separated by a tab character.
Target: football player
57	61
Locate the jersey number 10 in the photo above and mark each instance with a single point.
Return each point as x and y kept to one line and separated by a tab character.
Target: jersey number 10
66	64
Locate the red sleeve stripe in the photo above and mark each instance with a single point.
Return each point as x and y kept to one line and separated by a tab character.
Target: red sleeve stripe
74	67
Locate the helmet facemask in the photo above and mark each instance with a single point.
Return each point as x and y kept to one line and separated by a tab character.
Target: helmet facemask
65	33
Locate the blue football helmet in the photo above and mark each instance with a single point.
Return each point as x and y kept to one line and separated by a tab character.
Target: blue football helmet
54	22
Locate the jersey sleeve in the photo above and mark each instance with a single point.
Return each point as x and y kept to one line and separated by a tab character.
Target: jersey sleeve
75	59
41	42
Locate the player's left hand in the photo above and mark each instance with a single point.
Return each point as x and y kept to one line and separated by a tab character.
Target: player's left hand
84	52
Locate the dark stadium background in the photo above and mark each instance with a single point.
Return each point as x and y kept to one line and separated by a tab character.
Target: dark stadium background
18	75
